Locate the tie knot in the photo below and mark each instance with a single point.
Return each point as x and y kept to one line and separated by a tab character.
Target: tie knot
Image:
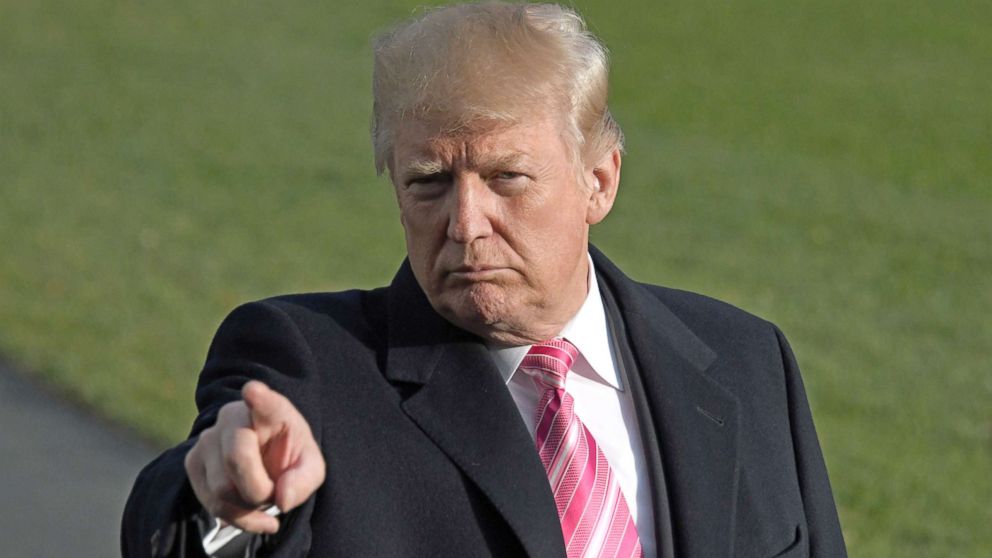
549	362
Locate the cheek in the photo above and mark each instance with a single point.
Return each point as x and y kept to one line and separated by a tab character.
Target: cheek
554	229
558	241
423	217
415	222
423	242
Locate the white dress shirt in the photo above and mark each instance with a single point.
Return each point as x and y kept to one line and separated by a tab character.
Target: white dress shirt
602	403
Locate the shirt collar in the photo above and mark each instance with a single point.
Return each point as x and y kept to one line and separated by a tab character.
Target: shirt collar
587	330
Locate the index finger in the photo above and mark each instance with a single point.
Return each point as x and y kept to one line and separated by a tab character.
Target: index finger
269	410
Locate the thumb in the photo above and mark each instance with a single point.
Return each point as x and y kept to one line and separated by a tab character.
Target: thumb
301	480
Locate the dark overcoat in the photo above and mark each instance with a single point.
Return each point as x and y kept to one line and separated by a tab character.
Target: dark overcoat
427	454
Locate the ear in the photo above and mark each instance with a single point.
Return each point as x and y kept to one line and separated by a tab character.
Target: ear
604	179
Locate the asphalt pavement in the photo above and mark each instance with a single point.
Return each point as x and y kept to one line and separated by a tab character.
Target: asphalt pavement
64	475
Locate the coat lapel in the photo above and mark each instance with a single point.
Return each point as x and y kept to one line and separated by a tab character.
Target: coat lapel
695	417
457	397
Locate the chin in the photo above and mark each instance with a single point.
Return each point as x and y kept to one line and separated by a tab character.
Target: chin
480	308
489	311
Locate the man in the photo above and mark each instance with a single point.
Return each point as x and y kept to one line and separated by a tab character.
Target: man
511	393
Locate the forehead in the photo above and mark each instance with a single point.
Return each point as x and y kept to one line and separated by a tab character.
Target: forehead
423	140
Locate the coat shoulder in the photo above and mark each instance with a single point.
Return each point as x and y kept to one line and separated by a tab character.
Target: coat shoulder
752	357
356	313
714	321
342	306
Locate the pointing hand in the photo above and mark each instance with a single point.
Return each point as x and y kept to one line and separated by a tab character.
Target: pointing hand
259	452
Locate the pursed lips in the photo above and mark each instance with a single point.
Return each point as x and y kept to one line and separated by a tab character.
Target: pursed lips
475	272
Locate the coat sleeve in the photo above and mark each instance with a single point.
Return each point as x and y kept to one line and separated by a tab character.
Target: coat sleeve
162	516
823	525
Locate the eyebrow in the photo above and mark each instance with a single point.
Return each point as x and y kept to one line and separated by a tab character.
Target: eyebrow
423	167
511	159
428	167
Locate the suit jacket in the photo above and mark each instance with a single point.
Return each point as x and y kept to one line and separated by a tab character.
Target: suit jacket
427	455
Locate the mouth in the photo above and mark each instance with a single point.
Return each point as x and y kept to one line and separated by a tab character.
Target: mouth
475	272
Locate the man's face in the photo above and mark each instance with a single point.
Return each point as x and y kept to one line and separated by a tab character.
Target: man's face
497	226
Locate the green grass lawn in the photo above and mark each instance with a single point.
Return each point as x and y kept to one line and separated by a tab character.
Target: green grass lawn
825	165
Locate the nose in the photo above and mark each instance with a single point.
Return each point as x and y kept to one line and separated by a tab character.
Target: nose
470	210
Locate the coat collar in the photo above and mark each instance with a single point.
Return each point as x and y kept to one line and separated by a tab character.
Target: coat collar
695	417
459	400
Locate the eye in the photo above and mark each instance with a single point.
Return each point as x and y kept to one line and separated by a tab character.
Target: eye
427	186
426	179
508	183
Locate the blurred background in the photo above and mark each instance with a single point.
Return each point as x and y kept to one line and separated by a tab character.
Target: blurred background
826	165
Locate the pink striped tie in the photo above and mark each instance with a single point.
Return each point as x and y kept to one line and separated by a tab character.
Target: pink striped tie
595	520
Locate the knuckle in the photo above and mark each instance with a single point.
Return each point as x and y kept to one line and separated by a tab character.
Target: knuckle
317	468
237	458
218	484
191	460
226	492
213	503
208	438
225	414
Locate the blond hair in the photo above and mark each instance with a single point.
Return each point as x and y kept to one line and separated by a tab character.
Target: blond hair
468	66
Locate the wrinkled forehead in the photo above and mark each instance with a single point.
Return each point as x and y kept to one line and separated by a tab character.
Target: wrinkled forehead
424	139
